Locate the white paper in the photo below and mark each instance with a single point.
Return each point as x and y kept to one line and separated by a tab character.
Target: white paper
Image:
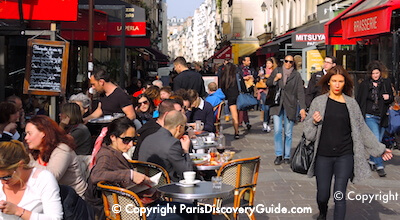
141	187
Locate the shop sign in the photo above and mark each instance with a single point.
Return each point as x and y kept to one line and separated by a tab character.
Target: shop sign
308	36
372	23
131	29
53	10
315	59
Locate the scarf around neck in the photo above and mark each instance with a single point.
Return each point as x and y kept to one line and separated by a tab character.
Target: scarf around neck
286	74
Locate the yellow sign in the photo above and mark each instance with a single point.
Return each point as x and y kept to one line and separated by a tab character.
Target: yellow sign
315	60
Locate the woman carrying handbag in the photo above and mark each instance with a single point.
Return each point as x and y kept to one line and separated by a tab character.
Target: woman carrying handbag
342	139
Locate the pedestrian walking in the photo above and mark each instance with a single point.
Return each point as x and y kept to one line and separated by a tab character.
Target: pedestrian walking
374	97
284	114
342	138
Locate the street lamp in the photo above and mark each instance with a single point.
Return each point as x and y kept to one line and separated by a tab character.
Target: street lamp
263	7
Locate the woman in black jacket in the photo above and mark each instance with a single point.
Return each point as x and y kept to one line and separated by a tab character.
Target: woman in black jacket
374	97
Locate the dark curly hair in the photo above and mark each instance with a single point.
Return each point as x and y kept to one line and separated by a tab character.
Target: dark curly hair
54	136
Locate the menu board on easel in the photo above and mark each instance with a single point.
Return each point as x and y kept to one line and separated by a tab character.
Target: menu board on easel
46	67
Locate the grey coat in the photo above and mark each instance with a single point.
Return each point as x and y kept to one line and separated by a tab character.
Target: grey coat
292	93
364	141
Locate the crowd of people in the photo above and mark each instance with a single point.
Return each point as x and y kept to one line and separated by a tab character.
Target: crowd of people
152	121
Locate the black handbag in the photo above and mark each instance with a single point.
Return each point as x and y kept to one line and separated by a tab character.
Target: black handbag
273	96
302	157
244	100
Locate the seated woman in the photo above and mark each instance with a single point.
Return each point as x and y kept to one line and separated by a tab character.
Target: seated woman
144	109
71	121
111	166
53	150
8	118
199	109
26	192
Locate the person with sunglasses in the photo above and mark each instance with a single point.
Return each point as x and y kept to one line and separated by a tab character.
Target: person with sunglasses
284	114
53	149
26	192
144	109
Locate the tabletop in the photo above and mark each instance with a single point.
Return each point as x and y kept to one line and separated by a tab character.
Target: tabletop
202	190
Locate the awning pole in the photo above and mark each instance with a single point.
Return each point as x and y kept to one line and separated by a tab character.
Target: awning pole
90	55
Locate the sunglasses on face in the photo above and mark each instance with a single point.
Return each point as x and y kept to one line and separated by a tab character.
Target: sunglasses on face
8	177
145	102
289	61
127	140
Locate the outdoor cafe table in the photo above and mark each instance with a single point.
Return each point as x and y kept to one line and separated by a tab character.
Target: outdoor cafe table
201	190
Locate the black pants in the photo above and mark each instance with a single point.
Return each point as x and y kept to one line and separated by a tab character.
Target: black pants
325	168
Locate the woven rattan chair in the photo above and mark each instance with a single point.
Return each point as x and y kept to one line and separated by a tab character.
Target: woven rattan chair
243	175
114	195
151	169
218	109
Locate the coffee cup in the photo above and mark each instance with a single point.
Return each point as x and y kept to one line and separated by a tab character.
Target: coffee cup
189	176
208	139
199	125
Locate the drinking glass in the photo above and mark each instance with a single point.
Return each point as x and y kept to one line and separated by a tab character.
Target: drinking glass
213	153
217	182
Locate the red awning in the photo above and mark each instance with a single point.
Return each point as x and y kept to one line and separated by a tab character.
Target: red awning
371	17
78	30
129	41
334	31
223	53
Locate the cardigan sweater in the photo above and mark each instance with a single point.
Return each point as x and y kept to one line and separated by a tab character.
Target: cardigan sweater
364	141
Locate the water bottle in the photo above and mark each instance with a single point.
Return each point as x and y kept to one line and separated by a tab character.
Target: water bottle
221	139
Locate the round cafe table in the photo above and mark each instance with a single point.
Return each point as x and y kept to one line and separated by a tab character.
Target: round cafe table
201	190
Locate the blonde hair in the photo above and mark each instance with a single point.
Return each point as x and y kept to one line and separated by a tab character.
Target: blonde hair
11	154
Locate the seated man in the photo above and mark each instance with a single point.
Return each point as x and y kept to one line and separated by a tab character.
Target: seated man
154	125
215	94
168	147
199	109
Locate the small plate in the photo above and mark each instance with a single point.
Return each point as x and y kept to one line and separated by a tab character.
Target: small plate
184	183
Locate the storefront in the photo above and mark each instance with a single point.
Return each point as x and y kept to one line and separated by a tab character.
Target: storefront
370	31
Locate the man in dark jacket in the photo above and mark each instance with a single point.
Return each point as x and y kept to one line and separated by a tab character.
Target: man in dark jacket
313	90
187	79
248	74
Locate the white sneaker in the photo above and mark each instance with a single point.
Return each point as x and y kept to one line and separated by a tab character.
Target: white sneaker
268	129
265	126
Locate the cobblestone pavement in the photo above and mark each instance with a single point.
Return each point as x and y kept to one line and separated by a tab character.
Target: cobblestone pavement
279	186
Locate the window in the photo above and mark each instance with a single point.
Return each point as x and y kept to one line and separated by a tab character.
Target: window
249	28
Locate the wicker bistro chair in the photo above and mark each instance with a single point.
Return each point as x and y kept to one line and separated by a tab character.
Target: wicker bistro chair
151	169
218	109
114	195
243	175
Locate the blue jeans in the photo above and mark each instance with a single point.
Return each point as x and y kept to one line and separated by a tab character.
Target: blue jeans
226	108
288	126
373	122
265	108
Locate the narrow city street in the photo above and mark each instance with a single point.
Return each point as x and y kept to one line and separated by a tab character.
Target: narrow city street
279	186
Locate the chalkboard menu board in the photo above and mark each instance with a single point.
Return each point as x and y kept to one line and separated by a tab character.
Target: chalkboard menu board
46	67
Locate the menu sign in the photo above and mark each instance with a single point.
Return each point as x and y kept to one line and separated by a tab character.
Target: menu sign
46	67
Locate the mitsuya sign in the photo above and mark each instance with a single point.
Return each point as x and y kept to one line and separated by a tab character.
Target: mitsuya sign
307	37
310	38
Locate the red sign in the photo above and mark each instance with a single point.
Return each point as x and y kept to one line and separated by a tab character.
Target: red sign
54	10
131	29
224	53
371	23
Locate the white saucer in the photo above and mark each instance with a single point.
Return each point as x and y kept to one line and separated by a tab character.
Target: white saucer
184	183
